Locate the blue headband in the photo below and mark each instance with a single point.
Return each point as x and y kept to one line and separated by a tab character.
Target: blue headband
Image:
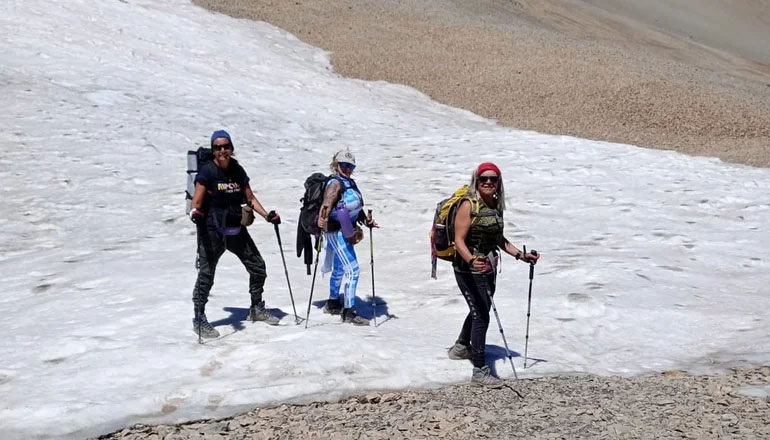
220	134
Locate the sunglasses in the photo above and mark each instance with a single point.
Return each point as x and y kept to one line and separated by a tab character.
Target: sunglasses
490	179
347	165
227	146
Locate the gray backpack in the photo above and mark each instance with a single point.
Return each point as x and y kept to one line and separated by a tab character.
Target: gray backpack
195	160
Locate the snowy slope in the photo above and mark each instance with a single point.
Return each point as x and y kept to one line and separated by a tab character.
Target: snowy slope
651	260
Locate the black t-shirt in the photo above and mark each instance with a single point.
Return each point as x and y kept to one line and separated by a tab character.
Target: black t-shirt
224	193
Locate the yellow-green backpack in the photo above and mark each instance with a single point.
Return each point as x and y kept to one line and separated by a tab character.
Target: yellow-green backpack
442	232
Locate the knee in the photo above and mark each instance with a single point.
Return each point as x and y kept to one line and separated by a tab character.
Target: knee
483	317
256	268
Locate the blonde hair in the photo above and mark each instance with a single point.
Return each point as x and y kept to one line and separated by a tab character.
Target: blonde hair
333	164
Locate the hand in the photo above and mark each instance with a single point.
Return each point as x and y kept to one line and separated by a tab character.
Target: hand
480	265
197	217
370	223
530	257
322	223
273	217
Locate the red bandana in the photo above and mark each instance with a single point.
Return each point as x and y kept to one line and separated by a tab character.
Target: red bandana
487	166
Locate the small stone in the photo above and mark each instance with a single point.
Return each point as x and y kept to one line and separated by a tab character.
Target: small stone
403	426
164	431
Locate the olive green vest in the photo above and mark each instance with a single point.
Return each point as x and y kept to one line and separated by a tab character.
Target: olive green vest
485	233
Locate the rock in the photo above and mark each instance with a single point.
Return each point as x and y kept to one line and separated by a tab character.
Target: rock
559	407
388	397
729	418
403	426
164	431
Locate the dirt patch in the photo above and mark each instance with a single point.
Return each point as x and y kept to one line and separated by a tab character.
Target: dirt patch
567	67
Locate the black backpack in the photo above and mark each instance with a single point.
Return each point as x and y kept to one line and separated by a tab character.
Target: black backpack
307	225
195	161
315	186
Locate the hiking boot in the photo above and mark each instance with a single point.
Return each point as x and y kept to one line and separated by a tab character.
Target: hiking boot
202	328
333	306
350	315
460	351
258	312
483	377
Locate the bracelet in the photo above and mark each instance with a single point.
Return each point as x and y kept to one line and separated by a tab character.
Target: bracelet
518	255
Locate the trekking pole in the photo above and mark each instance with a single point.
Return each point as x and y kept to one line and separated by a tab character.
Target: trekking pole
371	252
312	284
529	304
200	338
485	285
286	271
197	281
500	326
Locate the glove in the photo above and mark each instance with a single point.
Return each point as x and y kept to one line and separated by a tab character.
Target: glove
273	217
197	217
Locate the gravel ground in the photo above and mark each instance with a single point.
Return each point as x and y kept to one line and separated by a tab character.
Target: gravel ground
554	66
669	405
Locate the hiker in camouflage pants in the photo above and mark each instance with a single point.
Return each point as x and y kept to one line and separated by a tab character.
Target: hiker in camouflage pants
221	185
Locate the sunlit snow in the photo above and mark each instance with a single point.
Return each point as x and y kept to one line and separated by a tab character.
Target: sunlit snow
651	260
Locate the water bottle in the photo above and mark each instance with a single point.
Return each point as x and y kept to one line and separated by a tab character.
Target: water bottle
343	216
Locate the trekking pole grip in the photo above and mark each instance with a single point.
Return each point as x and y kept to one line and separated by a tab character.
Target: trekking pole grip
532	266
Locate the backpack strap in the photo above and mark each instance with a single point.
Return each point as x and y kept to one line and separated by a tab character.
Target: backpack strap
475	207
331	178
342	180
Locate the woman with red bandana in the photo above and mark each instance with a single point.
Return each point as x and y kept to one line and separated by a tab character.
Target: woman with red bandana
476	243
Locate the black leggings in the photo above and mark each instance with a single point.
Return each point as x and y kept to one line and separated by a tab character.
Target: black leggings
474	332
211	246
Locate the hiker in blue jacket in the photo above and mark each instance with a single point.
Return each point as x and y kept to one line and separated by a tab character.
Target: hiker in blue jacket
221	186
342	207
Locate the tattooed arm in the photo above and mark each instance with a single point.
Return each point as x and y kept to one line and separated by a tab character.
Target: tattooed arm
331	195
